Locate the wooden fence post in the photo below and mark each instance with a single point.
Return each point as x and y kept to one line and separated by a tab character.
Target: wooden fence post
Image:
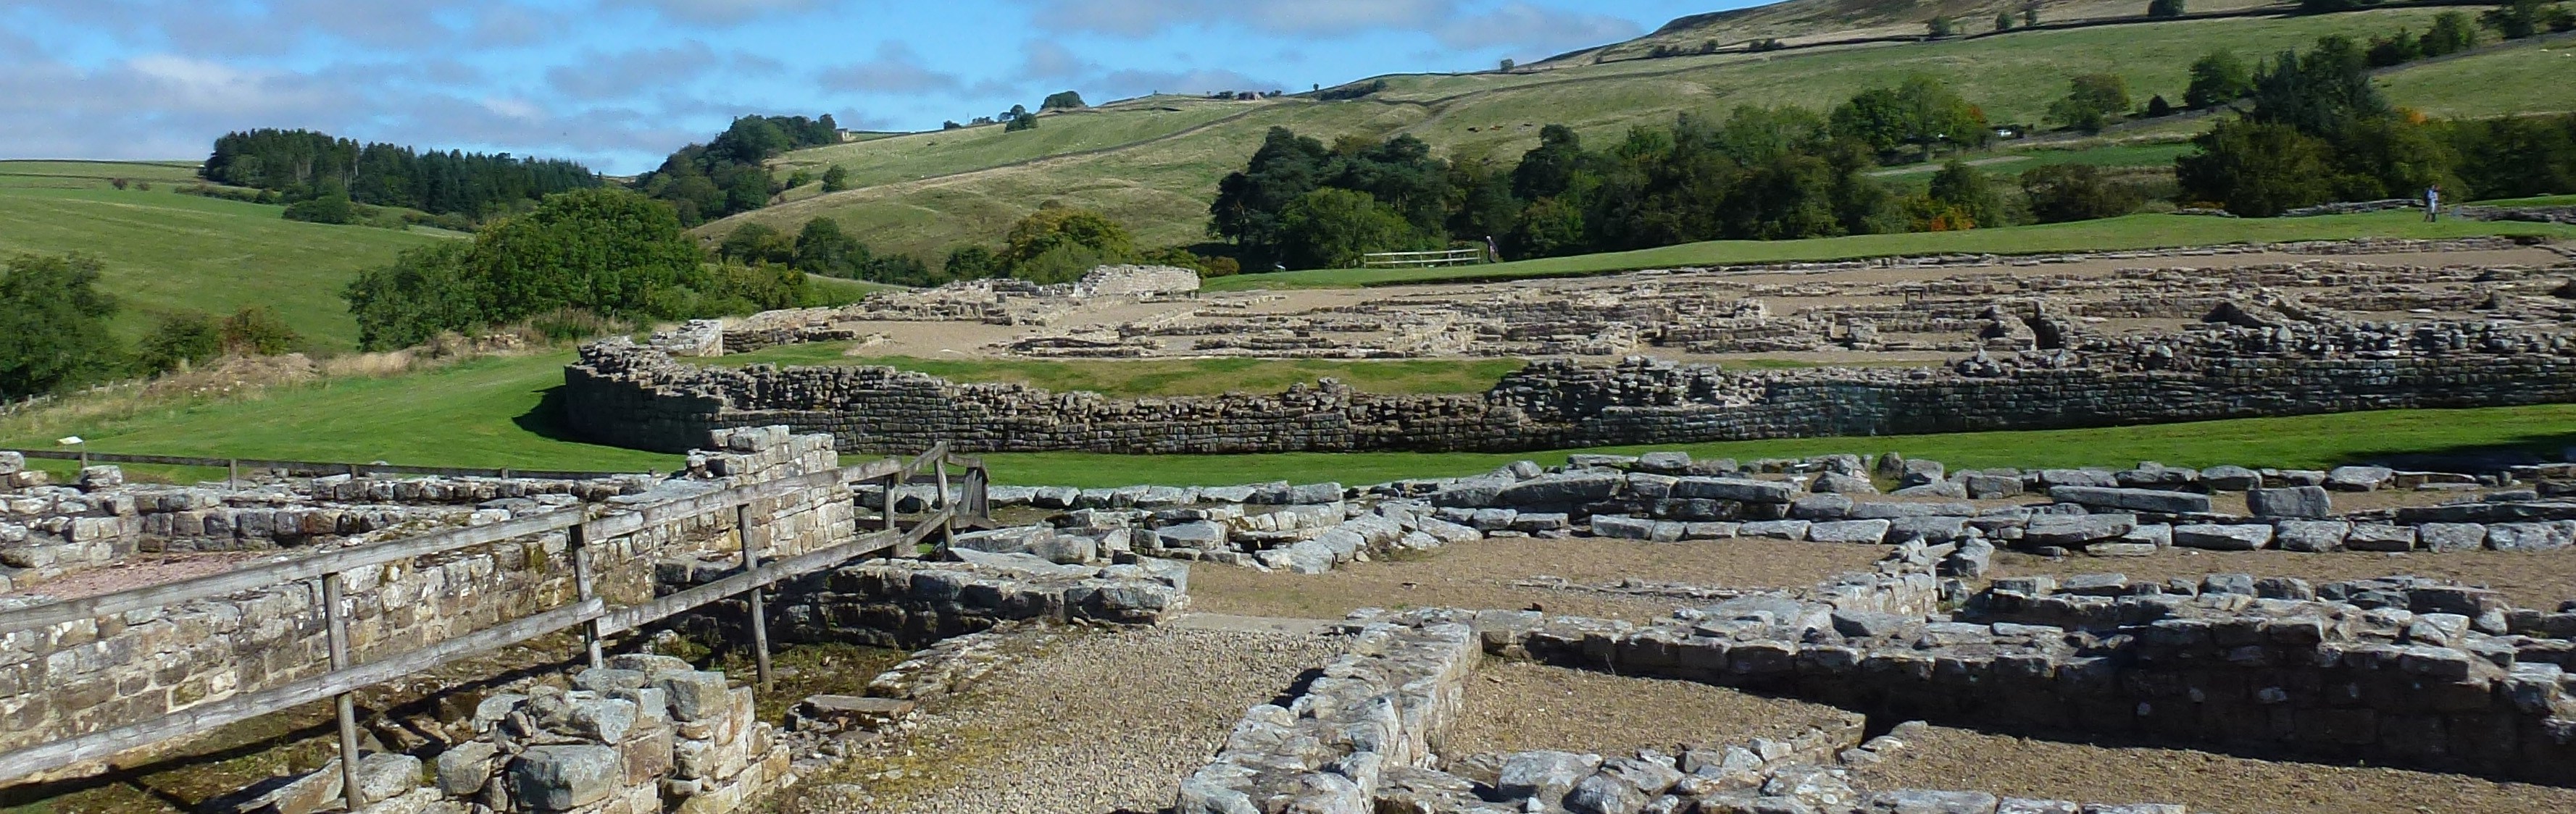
579	539
337	626
232	473
759	612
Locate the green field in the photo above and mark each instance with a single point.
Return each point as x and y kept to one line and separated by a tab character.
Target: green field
1154	164
166	252
1163	377
495	412
2113	234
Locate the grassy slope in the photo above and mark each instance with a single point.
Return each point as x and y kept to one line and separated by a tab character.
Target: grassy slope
2132	232
492	412
1160	184
165	251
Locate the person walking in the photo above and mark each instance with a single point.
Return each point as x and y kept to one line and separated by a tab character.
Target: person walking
2433	203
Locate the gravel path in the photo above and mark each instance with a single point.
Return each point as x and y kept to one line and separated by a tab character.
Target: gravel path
1097	722
1520	706
1950	758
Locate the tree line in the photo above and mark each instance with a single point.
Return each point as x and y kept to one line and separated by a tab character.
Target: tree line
1055	244
302	165
730	174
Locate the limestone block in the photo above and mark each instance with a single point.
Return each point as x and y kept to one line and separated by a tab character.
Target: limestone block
1565	489
1201	535
2380	537
1620	527
2140	500
2230	478
2078	529
1991	487
2295	501
1544	776
2311	535
695	696
1849	531
1775	529
465	767
1840	484
2359	478
1914	801
2451	536
2218	537
564	777
1821	507
2549	536
1736	489
1309	557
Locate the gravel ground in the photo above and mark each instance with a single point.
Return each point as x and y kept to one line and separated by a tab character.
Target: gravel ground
1961	759
1480	575
2532	579
1096	722
1515	706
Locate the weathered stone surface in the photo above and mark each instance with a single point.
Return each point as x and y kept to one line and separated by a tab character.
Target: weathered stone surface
465	767
1563	489
2311	536
1737	489
2380	537
2549	536
1841	484
2077	530
2451	536
2295	501
2140	500
2217	537
1821	507
1775	529
2359	478
1544	776
1991	487
2230	478
565	777
695	696
1849	531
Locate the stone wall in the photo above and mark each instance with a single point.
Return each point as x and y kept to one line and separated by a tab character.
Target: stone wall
632	396
85	676
911	604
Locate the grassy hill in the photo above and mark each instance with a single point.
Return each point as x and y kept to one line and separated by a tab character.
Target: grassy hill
165	251
1799	22
1153	163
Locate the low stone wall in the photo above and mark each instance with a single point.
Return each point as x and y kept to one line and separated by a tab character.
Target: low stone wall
89	675
912	604
623	394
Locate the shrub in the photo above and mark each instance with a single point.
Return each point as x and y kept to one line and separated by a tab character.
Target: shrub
257	331
2164	9
180	339
1333	228
53	325
333	209
2091	100
2452	33
2072	192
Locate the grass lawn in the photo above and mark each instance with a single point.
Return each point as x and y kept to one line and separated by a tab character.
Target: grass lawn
491	412
1163	377
2131	232
167	252
496	412
2320	441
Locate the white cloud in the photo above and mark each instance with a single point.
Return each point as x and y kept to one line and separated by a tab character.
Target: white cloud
721	11
1521	25
1145	17
1127	83
896	70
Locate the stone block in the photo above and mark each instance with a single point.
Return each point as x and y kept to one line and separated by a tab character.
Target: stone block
1309	557
1315	494
1621	527
1544	776
2451	536
1840	484
2077	529
1821	507
2230	478
465	767
1200	535
1736	489
2217	537
2311	536
1775	529
2380	537
1991	487
1914	801
2295	501
2359	478
606	679
846	712
2549	536
2137	500
565	777
1567	489
1849	531
695	696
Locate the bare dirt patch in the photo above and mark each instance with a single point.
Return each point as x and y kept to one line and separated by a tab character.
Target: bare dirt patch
1481	574
1518	706
139	570
1947	758
2532	579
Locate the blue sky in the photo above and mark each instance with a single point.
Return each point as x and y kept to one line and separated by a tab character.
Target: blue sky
620	83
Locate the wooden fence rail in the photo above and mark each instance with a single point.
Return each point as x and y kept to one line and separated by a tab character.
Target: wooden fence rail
587	611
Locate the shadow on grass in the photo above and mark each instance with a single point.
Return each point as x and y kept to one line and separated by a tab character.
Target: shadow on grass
546	420
2520	450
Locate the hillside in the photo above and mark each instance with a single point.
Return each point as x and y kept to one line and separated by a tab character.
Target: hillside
1801	22
1154	163
165	251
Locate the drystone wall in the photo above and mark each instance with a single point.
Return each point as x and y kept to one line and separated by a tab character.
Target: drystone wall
89	675
636	396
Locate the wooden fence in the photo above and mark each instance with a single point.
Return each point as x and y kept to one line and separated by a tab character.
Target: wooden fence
1452	257
588	611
